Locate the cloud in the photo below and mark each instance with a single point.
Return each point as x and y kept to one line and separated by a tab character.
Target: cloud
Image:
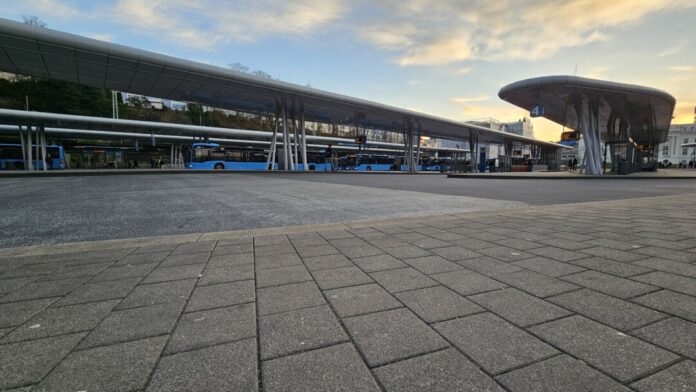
205	24
464	70
672	49
423	32
102	36
464	100
681	68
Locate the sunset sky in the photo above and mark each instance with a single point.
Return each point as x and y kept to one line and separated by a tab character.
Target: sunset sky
445	57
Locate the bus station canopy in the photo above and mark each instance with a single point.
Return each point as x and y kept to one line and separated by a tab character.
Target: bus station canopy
49	54
647	110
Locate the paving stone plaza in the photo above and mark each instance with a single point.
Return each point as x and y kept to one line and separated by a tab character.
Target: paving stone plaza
596	296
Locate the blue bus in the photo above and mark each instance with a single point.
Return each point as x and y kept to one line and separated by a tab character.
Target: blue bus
435	164
368	162
211	156
11	157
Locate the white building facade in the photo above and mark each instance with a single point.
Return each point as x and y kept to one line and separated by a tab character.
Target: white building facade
671	151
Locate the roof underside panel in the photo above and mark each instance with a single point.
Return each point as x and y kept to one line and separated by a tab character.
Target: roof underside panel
647	110
51	54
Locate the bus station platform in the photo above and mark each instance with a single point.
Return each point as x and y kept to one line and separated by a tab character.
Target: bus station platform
512	299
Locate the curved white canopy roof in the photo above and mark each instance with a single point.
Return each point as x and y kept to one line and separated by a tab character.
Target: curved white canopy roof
50	54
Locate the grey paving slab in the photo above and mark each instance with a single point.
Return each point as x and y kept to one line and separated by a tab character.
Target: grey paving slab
611	267
231	367
219	295
617	313
288	297
36	290
408	251
360	251
277	249
211	327
473	243
267	240
155	248
622	356
668	281
378	263
467	282
519	244
27	362
326	262
74	271
437	303
15	313
561	373
671	266
225	274
12	284
298	330
184	259
356	300
336	368
391	335
62	321
493	343
308	241
143	258
677	378
341	277
428	242
164	274
158	293
230	260
614	254
275	261
519	307
432	264
134	324
233	249
565	243
121	367
505	254
672	333
315	250
194	247
666	253
548	267
442	371
558	254
488	266
454	253
124	272
670	302
609	284
615	244
402	279
100	291
536	284
282	275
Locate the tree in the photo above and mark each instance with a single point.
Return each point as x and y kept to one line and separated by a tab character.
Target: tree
262	74
33	20
239	67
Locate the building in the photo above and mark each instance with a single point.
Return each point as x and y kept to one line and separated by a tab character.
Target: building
671	151
520	127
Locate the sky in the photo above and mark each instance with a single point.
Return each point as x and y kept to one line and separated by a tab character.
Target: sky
443	57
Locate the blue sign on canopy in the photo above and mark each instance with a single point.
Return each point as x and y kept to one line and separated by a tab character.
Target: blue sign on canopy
537	111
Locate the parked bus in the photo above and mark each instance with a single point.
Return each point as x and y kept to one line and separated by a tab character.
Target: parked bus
435	164
11	157
366	162
211	156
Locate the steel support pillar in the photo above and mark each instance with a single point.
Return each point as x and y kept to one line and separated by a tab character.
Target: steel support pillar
30	157
588	116
42	133
286	139
473	150
22	139
272	150
304	141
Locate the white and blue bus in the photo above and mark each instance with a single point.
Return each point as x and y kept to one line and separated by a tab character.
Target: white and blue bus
369	162
11	157
211	156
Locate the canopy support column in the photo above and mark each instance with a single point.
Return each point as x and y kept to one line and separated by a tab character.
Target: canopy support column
22	139
304	141
272	151
286	141
42	133
30	158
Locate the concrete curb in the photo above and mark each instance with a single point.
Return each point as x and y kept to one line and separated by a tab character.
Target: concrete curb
567	177
124	172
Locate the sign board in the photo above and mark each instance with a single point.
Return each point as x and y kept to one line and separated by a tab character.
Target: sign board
537	111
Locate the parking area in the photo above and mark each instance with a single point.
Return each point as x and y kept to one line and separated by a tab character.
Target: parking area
519	299
67	209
